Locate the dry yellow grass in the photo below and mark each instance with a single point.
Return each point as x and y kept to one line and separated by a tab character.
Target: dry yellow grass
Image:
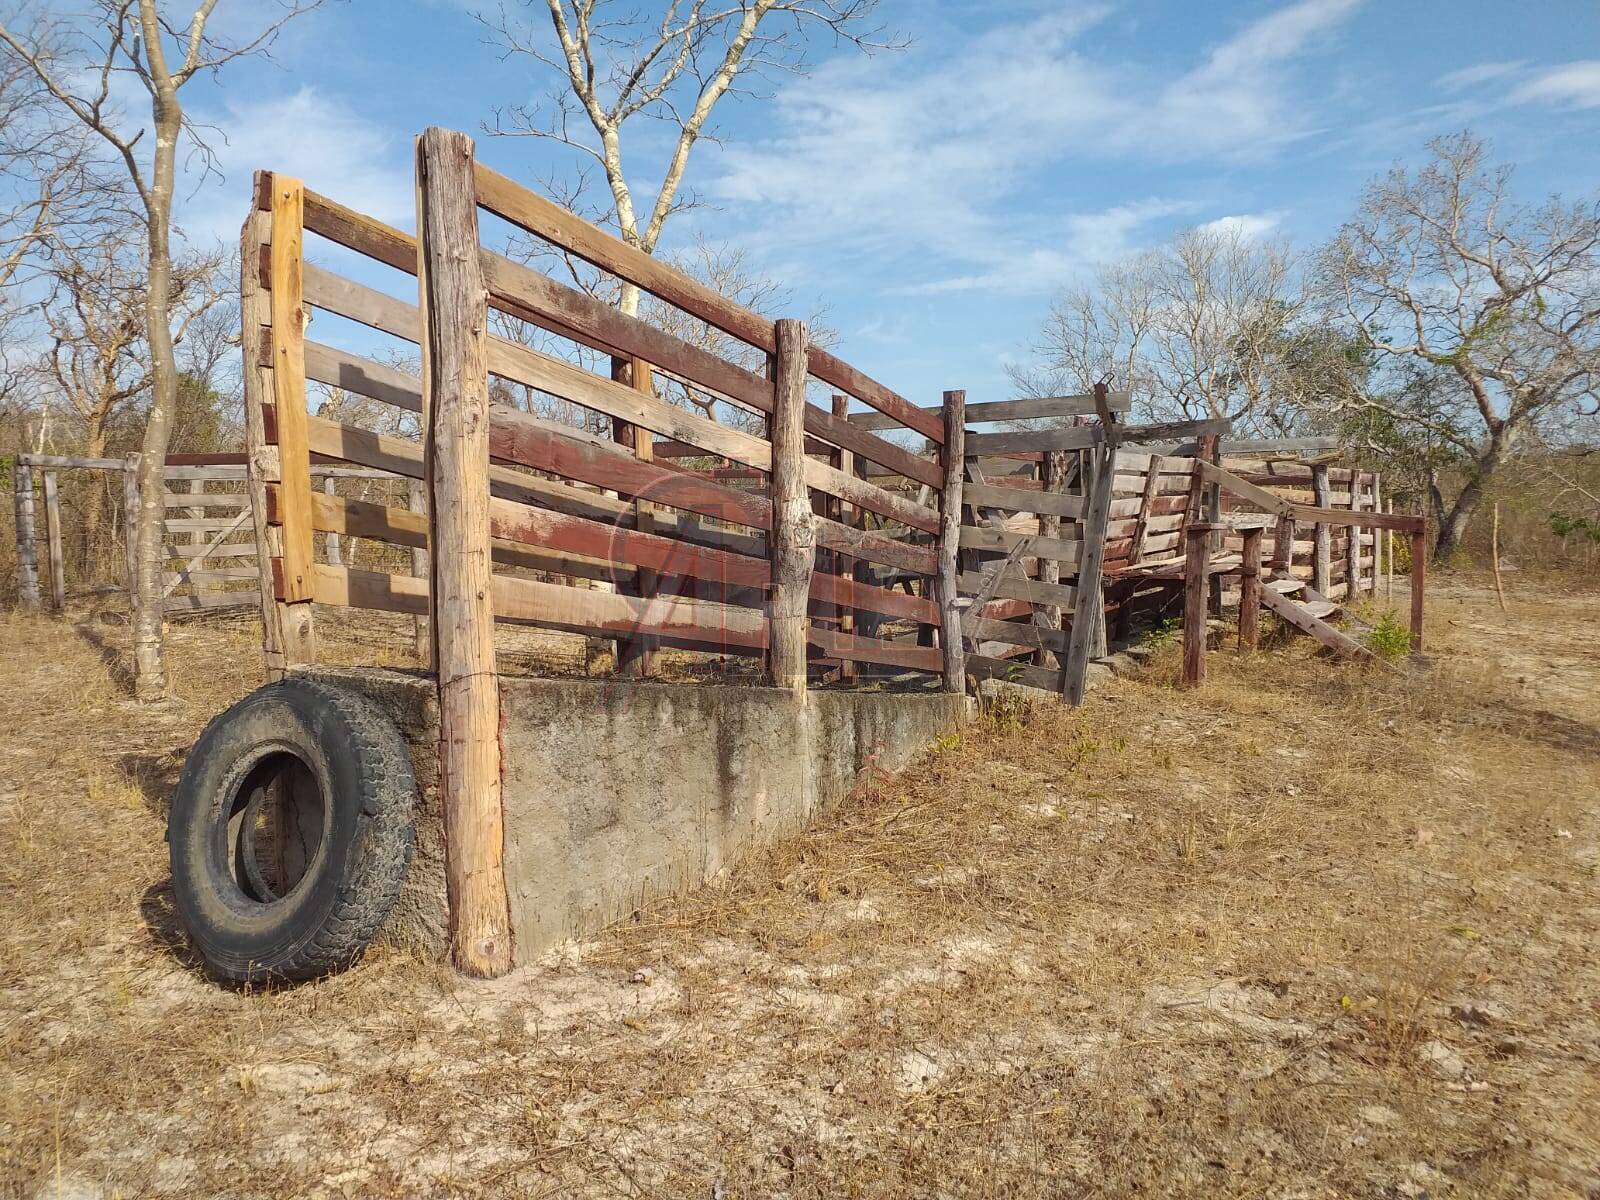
1311	931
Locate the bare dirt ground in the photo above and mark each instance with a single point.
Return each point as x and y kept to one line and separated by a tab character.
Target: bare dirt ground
1313	931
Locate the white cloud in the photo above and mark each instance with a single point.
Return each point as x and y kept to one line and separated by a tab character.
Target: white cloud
310	135
1246	225
1478	73
1572	85
925	154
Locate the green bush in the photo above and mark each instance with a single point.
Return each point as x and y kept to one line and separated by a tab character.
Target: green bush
1389	639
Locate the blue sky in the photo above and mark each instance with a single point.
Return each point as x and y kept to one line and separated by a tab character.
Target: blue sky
933	200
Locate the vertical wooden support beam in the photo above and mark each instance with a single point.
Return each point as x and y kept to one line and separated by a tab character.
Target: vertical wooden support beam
1322	552
1352	544
27	537
261	460
1088	614
288	314
1214	516
1419	575
335	554
1388	559
1378	546
416	501
635	655
289	386
953	456
130	527
456	454
794	533
1197	554
1250	591
52	538
1051	473
1283	549
843	563
1152	481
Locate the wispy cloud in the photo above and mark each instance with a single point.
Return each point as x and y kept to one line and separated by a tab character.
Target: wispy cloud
1247	225
1491	85
928	153
309	134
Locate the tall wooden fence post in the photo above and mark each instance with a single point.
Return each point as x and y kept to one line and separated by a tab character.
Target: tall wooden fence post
635	655
1352	544
261	460
27	537
843	565
794	533
953	457
52	539
130	527
1197	555
1054	469
1250	590
1088	633
456	453
416	501
1419	577
297	576
1322	544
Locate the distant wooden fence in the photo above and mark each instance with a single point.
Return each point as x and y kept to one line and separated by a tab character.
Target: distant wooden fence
209	549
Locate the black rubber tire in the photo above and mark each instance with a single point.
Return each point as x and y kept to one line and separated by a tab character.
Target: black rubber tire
297	732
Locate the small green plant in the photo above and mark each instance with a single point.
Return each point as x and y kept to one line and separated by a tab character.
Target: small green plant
1164	632
1389	639
1006	710
947	742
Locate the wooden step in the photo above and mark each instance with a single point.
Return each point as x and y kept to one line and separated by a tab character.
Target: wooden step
1320	608
1285	587
1298	616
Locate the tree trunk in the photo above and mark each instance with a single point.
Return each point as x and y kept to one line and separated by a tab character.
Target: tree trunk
93	497
1452	525
149	659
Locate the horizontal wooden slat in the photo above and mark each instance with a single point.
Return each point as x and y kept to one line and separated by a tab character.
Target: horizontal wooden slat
234	501
241	598
875	650
1031	408
212	575
1230	482
602	613
1015	587
1367	520
1056	504
1060	549
532	212
1067	438
1015	633
988	667
201	524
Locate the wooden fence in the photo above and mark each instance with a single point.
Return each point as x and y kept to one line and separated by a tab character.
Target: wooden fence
210	557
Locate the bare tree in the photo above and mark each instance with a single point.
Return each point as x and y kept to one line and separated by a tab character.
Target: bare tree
1196	328
1441	274
94	315
78	63
615	64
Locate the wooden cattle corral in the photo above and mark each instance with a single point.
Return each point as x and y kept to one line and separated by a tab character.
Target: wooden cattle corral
800	536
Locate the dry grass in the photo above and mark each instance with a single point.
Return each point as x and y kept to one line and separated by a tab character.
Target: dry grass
1312	931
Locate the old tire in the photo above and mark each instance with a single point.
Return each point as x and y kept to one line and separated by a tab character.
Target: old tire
290	832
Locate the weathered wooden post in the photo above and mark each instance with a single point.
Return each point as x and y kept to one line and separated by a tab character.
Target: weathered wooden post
1250	590
1283	548
416	501
298	576
52	538
953	456
1089	610
1053	474
1378	546
130	527
1322	552
335	554
261	459
1419	575
27	537
456	454
635	655
843	563
794	533
1352	543
1196	558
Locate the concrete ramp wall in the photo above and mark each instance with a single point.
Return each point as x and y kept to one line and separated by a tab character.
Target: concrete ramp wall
617	793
